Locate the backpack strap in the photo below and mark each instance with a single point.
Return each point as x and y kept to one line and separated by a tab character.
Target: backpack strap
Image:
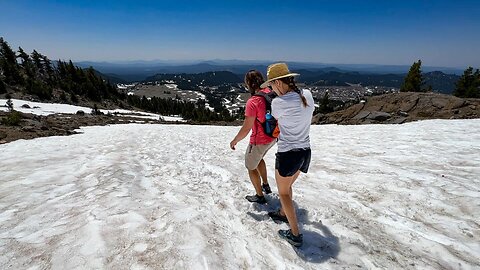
268	99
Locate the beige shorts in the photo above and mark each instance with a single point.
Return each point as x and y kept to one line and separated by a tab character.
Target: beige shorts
255	153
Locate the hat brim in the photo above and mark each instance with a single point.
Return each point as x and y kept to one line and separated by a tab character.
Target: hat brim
265	84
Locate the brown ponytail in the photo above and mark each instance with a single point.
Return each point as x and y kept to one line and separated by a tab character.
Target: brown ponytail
253	80
290	81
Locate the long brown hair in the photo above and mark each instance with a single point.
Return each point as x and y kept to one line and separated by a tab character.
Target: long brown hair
253	80
290	81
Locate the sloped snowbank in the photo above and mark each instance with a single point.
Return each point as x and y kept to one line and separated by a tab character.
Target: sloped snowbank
168	196
39	108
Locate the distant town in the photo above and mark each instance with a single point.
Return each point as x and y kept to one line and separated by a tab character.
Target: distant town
233	96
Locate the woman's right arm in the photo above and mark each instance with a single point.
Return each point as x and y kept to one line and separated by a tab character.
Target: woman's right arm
243	132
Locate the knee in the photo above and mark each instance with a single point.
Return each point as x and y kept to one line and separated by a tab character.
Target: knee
251	166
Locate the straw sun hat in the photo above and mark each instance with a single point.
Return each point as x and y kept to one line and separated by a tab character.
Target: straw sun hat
277	71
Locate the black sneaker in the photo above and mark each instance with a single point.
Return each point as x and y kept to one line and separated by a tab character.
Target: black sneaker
295	241
277	217
266	188
257	199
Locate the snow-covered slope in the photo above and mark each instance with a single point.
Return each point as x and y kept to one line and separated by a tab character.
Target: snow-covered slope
166	196
39	108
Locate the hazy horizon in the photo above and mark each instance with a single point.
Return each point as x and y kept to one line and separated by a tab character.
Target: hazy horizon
440	33
247	61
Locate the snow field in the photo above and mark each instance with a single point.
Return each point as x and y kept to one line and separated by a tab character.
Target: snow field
169	196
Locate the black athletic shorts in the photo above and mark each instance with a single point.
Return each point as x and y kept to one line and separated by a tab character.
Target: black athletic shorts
288	163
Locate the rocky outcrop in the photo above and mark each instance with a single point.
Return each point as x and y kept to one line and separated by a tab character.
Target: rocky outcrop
34	126
399	108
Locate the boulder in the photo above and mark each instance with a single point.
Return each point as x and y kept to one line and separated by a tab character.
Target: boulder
398	120
402	113
378	116
26	106
361	115
439	102
456	103
33	123
316	118
28	129
408	104
80	113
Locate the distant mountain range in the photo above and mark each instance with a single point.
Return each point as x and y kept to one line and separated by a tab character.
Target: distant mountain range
440	78
144	69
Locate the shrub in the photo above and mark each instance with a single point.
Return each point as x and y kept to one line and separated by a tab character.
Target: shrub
13	119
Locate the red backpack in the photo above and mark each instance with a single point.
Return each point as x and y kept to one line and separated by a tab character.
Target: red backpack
270	126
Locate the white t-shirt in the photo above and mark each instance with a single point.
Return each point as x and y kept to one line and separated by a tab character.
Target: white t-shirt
293	120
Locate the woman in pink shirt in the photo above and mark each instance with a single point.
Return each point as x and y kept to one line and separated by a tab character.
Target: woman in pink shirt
260	142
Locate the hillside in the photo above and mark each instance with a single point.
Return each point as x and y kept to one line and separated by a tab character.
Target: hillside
404	107
35	77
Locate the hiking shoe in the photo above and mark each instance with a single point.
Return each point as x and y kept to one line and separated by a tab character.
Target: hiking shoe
277	217
266	188
295	241
257	199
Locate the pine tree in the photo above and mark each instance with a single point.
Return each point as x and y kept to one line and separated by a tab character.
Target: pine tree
49	70
95	110
414	80
325	106
3	87
38	63
38	88
476	89
26	64
10	105
468	86
73	98
8	64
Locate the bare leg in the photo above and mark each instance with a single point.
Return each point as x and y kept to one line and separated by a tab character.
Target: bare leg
262	169
295	176
284	185
255	179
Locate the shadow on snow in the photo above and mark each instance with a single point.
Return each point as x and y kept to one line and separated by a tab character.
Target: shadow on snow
318	246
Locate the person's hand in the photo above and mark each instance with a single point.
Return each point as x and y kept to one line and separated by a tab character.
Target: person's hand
232	144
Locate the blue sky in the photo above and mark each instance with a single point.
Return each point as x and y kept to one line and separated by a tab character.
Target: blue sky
440	32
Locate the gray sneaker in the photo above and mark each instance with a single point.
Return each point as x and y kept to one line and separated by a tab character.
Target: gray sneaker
256	199
277	217
295	241
266	188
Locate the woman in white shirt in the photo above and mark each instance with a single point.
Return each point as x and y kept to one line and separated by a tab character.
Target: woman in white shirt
293	109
